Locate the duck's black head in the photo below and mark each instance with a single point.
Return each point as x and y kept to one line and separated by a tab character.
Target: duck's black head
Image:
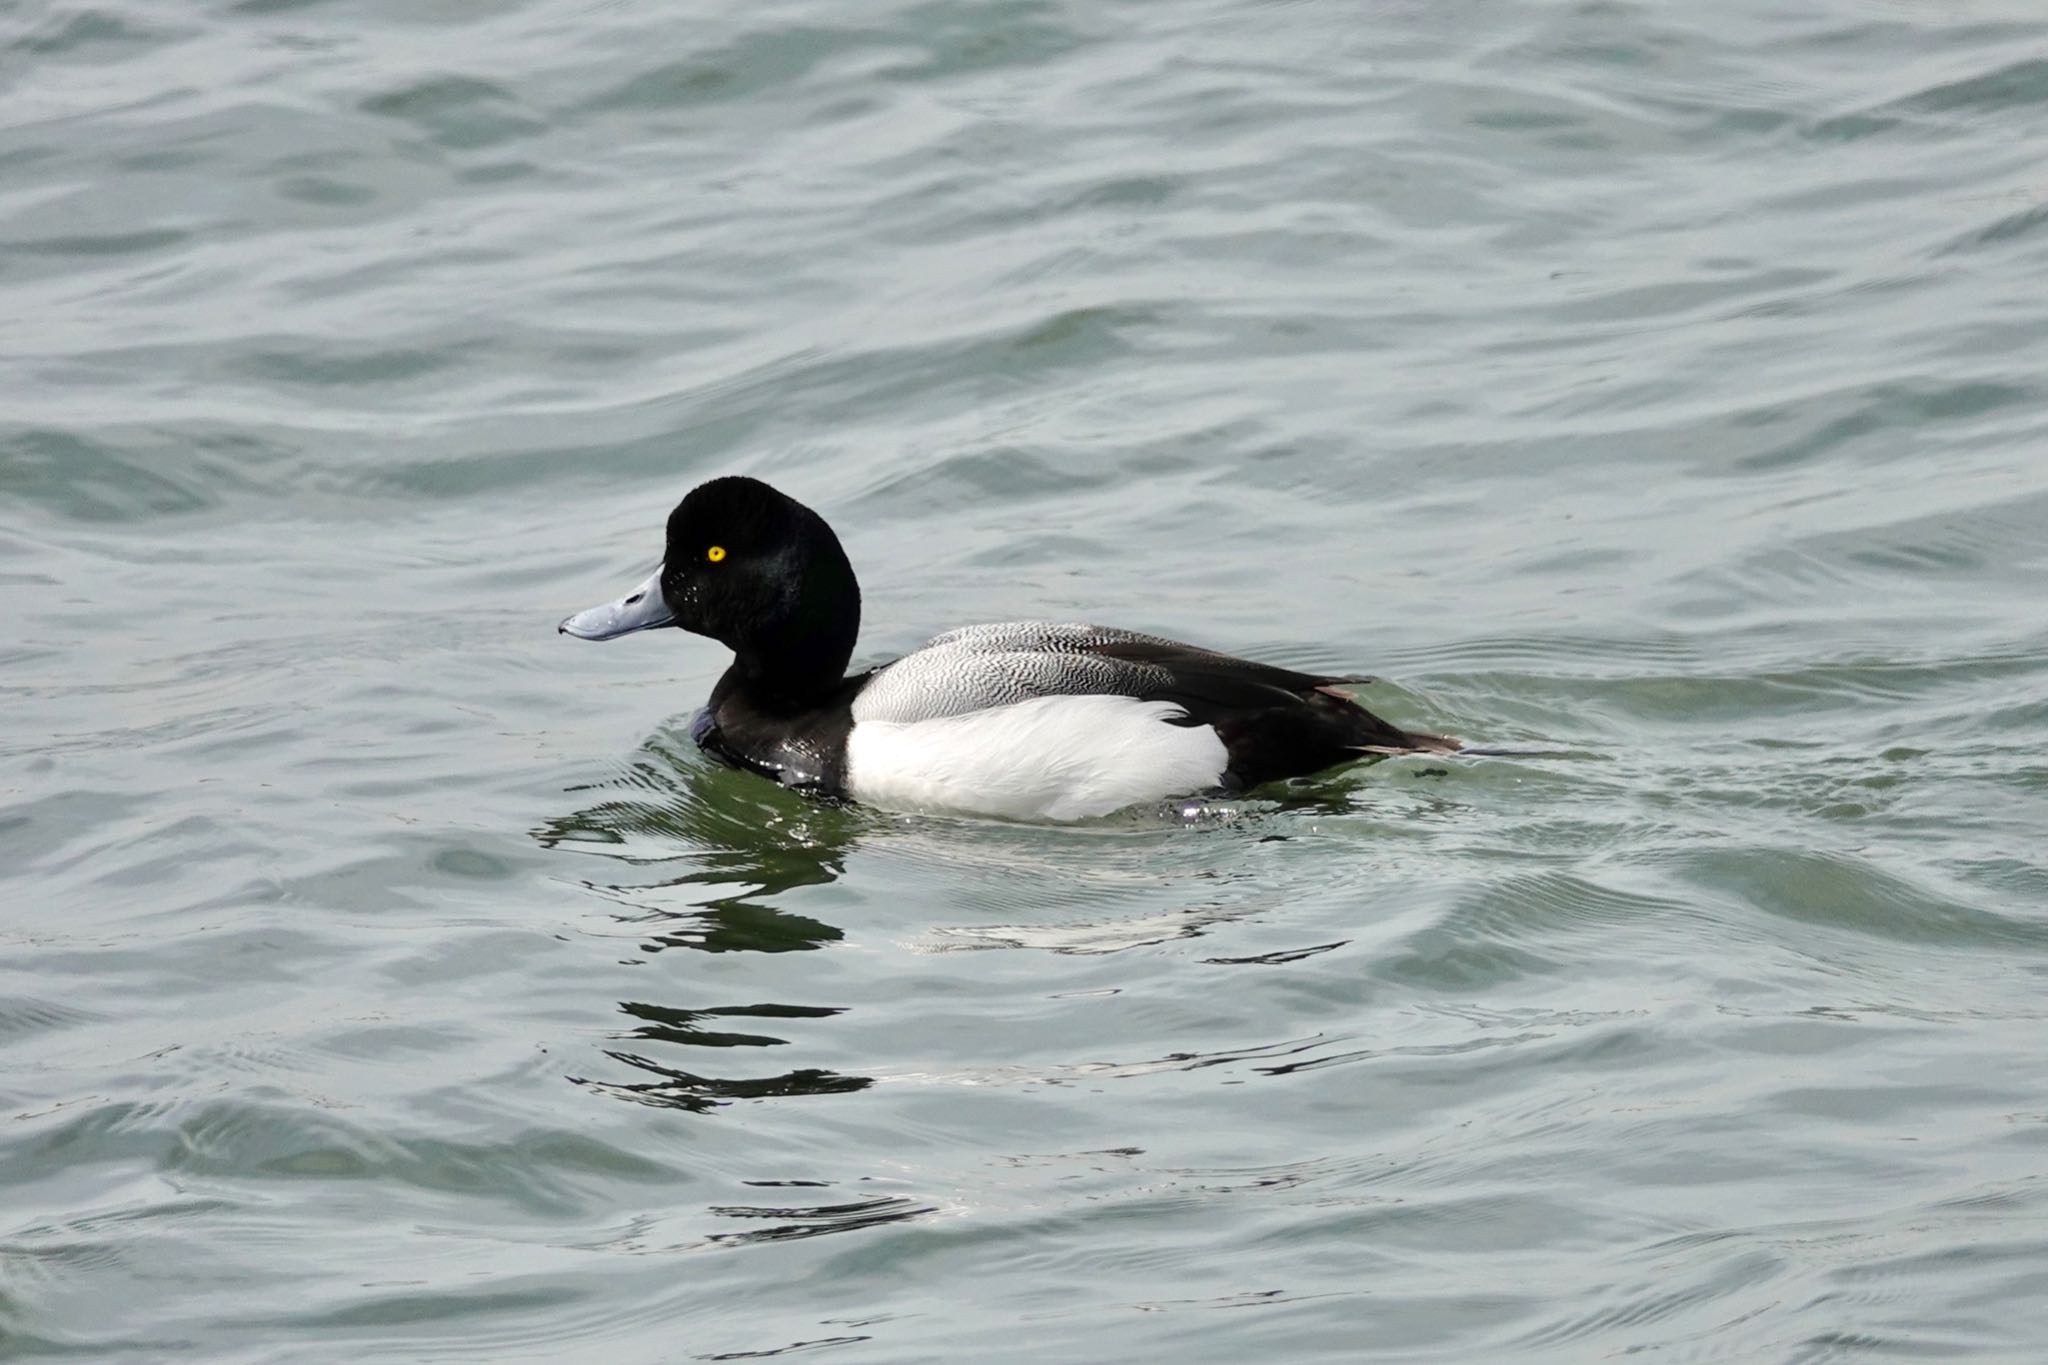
757	571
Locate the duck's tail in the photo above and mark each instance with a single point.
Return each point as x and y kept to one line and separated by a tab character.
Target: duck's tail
1392	741
1449	744
1386	738
1415	742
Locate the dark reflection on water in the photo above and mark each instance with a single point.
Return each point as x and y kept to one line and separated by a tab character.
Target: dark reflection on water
1277	958
680	1026
744	842
794	1223
680	1089
731	925
814	1344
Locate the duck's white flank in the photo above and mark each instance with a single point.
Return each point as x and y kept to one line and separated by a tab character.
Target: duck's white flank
1049	758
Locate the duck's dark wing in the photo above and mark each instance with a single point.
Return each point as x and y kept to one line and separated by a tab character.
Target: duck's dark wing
1276	722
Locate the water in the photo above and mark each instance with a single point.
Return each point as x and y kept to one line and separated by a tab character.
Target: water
383	977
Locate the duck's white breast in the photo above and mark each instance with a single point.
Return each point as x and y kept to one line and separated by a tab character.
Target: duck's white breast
1049	758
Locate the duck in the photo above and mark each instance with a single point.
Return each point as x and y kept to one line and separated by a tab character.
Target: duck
1019	720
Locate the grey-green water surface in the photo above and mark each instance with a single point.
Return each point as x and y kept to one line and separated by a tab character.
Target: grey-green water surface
384	978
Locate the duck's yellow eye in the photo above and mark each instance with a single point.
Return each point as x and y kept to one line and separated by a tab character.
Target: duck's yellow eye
715	553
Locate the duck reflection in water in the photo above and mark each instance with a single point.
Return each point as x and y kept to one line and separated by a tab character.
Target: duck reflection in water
739	844
706	857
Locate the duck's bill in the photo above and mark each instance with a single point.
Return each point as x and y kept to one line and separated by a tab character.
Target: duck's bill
640	609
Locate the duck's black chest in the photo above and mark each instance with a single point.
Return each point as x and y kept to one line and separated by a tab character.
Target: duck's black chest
800	748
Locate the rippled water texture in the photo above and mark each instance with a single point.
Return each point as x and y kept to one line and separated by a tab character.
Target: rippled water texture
383	977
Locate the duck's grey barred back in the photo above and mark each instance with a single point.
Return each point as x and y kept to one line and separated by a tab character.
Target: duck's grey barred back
1039	637
976	667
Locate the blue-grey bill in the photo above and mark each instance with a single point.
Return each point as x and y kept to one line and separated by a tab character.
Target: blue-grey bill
640	609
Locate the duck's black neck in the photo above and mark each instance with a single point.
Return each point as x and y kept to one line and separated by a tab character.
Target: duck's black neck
794	659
